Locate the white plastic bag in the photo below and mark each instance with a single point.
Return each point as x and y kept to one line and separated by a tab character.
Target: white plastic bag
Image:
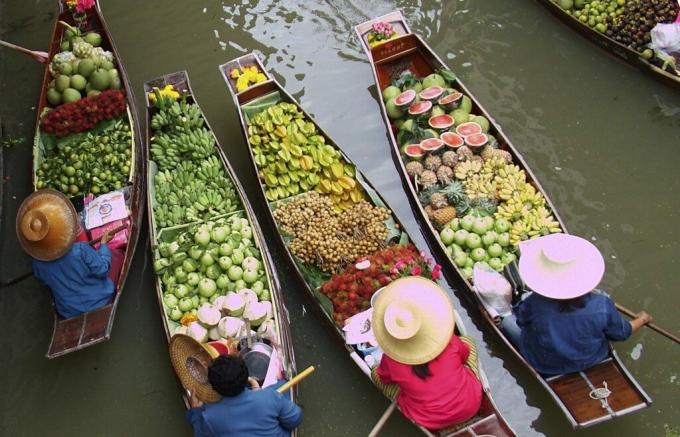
493	288
666	37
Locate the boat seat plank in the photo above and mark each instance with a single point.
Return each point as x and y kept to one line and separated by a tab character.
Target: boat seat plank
80	331
574	391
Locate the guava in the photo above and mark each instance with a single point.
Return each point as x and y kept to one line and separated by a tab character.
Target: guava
78	82
70	95
62	82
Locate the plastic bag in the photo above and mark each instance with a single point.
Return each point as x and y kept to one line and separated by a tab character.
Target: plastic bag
666	37
493	288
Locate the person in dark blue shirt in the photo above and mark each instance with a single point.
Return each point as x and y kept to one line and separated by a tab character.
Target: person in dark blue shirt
565	326
80	278
244	409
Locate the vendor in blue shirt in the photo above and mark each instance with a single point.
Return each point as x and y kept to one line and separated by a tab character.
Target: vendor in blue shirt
562	327
244	409
80	278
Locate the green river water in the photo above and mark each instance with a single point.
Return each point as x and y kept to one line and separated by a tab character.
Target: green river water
600	136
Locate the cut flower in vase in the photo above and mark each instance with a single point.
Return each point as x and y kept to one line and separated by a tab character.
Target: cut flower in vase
380	32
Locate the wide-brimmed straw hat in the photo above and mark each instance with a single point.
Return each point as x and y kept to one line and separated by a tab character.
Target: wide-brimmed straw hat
560	266
413	320
46	225
191	361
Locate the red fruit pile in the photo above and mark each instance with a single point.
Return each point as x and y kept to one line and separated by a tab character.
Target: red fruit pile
351	290
84	114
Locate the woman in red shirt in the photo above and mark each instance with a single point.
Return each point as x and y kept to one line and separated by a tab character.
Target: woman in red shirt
413	323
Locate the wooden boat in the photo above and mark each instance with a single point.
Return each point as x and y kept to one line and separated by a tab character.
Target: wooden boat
571	391
2	174
613	47
95	326
266	94
284	343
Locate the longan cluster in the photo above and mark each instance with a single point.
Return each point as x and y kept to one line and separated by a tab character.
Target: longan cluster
326	238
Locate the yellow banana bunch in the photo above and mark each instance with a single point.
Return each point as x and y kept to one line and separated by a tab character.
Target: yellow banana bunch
519	232
493	166
512	186
512	210
531	198
467	169
480	185
542	226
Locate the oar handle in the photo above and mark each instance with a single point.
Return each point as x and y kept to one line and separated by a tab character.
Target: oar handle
40	56
299	377
652	326
386	415
114	231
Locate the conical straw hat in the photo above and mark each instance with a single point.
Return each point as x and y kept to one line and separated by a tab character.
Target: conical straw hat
46	225
191	361
413	320
560	266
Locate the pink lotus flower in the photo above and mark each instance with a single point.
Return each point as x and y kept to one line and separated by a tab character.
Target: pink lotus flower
84	5
416	271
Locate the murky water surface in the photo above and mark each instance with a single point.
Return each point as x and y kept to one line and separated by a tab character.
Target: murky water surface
601	137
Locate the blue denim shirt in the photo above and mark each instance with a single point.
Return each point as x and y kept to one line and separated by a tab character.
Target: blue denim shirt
555	342
259	413
79	280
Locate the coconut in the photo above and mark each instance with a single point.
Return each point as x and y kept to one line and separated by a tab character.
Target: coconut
198	332
208	314
248	296
256	313
229	327
234	304
267	329
213	334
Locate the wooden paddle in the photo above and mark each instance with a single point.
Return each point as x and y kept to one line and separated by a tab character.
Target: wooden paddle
652	326
38	56
386	415
26	275
299	377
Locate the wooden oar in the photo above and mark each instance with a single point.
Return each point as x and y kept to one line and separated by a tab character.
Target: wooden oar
38	56
299	377
652	326
386	415
26	275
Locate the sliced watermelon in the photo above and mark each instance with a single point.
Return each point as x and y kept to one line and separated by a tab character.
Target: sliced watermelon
414	151
452	101
432	93
452	140
441	122
476	140
431	144
420	108
405	99
468	128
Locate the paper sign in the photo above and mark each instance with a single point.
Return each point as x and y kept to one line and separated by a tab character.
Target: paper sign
105	209
358	328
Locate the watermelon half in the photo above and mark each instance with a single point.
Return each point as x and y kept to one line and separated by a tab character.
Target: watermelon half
405	99
468	128
431	144
476	140
420	108
441	122
452	101
452	140
432	93
414	151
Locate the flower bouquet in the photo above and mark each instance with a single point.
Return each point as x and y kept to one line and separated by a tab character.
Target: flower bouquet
351	290
380	32
79	10
246	76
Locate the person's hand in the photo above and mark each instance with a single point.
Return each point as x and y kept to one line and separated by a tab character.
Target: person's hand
253	383
193	400
108	236
646	318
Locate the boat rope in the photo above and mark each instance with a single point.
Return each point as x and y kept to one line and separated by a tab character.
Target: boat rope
601	394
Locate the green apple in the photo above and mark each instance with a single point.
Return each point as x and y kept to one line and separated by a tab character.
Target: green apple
460	236
466	222
495	250
447	235
473	241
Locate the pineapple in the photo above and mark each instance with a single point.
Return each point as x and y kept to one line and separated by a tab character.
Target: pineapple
429	212
433	162
455	196
444	215
414	168
444	174
428	179
489	152
438	201
449	158
478	159
464	153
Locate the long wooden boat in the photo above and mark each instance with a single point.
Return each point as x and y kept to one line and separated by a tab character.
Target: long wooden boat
570	391
264	96
282	342
613	47
95	326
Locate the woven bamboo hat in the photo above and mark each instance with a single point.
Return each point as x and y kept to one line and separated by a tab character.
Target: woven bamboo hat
413	320
46	225
560	266
191	361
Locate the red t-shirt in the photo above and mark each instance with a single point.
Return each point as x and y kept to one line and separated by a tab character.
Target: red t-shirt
451	395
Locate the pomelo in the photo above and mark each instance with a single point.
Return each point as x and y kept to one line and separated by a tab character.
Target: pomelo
452	140
93	38
459	116
54	97
433	133
70	95
434	80
86	67
483	122
100	79
78	82
93	93
437	110
62	82
107	65
417	87
388	93
115	83
393	111
65	68
469	128
466	104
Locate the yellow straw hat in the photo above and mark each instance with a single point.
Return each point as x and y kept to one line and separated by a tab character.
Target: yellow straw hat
191	361
46	225
413	320
560	266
